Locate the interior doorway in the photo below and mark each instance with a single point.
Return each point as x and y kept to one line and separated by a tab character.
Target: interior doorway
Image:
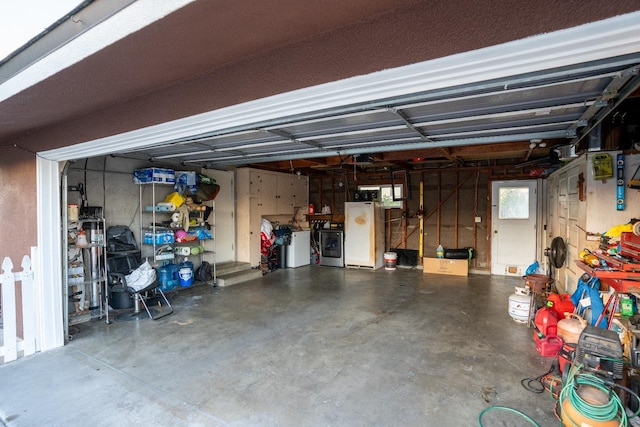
513	226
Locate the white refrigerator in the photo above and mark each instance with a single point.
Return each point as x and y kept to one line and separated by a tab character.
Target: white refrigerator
299	250
364	234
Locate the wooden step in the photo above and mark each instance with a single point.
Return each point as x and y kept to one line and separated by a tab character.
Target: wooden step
236	277
231	267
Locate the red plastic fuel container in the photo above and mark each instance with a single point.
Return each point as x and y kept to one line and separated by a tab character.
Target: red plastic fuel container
546	322
561	304
548	346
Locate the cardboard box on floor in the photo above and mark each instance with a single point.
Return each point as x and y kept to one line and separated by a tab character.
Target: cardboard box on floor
453	267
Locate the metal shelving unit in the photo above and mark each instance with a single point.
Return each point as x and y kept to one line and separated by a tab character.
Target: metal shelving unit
172	247
85	272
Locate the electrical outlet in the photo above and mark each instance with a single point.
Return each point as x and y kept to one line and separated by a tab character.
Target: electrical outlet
478	219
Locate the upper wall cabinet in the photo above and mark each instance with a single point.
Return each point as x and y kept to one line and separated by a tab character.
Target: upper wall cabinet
277	193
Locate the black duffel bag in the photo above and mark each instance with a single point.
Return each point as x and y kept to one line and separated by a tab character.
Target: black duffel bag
120	238
463	253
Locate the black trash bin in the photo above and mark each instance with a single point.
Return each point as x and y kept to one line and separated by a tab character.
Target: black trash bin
282	256
283	239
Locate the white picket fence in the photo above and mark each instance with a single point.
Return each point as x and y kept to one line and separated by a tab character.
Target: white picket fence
12	345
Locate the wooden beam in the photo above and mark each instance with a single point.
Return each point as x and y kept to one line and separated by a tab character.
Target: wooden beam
455	153
448	155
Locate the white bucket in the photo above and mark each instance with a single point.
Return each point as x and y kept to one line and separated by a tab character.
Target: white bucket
519	307
390	260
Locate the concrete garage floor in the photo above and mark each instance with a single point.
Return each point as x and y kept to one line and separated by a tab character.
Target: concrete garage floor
312	346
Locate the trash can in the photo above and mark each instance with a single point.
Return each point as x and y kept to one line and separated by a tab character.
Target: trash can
282	256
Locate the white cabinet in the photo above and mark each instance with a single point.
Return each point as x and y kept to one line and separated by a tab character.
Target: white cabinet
285	199
277	193
300	191
266	192
263	193
248	215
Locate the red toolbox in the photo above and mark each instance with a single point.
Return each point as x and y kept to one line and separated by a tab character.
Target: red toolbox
630	245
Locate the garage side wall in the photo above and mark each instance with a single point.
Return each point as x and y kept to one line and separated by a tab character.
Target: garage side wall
18	207
581	208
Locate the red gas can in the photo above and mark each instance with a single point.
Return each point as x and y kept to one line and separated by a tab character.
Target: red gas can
546	321
548	346
561	304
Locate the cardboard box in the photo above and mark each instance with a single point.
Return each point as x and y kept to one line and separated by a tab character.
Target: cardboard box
157	175
453	267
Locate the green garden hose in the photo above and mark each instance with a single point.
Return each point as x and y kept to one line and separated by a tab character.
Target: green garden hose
613	410
505	408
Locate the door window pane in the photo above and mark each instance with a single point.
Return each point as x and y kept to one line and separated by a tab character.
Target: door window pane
513	203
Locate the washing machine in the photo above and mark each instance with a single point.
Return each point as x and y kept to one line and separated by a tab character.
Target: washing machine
332	248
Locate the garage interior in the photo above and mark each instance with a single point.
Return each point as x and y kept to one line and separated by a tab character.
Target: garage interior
302	346
318	345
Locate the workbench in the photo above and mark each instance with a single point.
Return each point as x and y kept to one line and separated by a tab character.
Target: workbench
623	276
619	275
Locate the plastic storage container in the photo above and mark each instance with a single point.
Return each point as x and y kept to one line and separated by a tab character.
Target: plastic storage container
157	175
561	304
570	328
546	322
390	259
167	278
548	346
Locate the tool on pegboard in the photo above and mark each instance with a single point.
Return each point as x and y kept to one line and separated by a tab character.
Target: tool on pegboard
634	182
620	182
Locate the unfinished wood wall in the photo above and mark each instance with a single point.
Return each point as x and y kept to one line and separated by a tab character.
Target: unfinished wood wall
452	199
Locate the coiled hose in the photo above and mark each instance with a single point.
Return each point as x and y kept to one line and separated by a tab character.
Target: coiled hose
613	410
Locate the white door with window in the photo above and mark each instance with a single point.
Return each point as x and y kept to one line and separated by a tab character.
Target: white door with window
513	226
